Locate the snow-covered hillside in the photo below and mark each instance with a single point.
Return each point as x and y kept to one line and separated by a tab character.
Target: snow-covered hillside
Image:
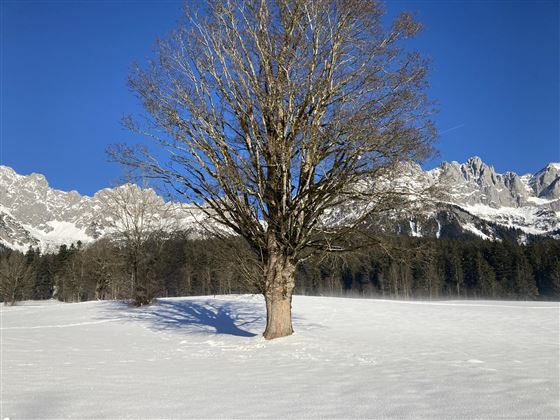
475	199
203	357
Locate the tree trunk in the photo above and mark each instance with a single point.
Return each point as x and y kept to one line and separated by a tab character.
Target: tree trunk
280	282
140	291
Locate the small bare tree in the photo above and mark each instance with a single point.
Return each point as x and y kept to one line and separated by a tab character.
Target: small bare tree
274	114
101	266
138	216
16	278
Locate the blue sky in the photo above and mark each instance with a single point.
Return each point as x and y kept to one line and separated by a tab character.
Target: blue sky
495	75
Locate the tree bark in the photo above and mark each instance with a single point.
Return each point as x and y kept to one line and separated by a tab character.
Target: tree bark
280	282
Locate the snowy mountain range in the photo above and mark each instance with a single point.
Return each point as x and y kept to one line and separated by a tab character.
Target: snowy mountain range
477	201
34	214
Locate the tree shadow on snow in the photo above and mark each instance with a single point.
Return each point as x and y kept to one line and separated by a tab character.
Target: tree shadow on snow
223	317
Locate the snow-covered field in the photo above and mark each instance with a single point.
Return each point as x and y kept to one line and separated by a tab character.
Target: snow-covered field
204	357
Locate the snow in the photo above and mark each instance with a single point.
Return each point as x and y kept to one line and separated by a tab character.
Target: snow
470	227
528	219
204	357
415	229
60	232
540	201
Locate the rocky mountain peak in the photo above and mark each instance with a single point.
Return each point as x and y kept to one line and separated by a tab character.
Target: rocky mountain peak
542	182
39	179
475	164
475	182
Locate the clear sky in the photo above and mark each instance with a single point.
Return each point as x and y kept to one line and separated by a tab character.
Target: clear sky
65	63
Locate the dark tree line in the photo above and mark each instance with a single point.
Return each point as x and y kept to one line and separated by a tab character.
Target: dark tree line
429	268
404	268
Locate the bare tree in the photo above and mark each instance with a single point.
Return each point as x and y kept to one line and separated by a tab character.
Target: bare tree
138	216
275	113
101	266
15	278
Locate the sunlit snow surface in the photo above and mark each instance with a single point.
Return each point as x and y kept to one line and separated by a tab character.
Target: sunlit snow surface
204	357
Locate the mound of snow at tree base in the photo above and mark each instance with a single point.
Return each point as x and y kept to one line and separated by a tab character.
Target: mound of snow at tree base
204	357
